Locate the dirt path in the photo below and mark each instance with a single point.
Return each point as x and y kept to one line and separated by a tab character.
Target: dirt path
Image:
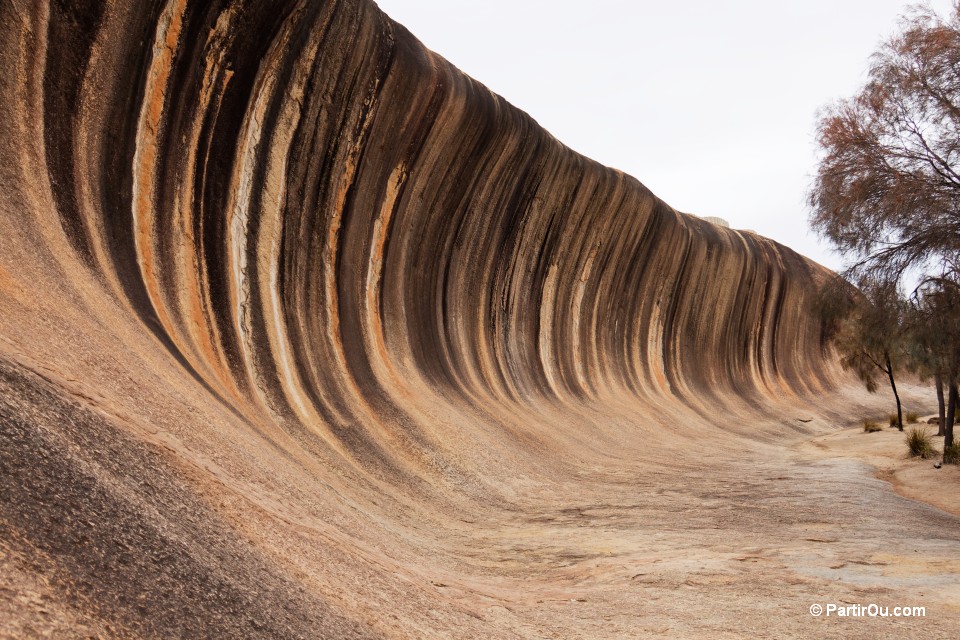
886	452
729	549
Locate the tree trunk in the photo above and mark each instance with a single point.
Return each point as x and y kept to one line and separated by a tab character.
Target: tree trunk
893	385
942	416
951	415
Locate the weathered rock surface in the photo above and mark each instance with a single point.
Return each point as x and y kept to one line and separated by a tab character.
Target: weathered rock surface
305	333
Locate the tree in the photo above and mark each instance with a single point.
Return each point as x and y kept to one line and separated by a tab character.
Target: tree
932	331
865	325
934	327
887	188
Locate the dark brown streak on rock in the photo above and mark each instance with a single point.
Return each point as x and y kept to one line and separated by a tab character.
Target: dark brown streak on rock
71	32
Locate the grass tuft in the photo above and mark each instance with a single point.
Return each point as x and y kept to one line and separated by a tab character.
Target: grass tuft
871	427
920	443
893	419
912	417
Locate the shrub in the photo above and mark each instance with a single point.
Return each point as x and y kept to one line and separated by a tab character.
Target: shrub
920	443
871	427
912	417
951	454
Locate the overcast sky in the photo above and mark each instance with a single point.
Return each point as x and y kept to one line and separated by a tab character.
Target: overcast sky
711	104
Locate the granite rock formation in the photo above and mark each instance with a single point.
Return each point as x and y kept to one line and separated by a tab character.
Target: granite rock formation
298	322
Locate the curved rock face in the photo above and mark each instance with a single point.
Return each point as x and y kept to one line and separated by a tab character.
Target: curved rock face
295	315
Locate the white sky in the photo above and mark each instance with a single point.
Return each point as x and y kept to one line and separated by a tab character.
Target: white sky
711	104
